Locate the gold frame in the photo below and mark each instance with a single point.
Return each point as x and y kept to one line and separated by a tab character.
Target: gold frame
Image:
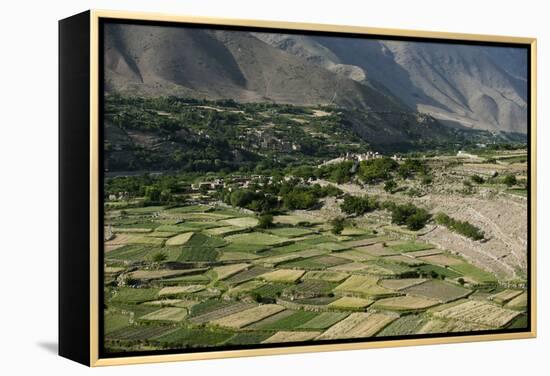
94	188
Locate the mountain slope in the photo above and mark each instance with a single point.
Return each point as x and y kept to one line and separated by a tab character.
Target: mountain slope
225	64
473	86
465	82
462	86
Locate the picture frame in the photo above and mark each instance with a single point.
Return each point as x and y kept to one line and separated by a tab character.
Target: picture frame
85	296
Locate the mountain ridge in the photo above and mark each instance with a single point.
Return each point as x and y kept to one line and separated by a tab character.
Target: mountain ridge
459	85
471	86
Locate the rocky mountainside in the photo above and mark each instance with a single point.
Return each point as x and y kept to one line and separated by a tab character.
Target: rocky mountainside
469	86
463	86
213	64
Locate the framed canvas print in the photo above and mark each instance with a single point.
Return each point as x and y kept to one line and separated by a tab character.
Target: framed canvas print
236	188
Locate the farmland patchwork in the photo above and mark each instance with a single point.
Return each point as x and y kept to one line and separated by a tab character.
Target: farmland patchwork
206	278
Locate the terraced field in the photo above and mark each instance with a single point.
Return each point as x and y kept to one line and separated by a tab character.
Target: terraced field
204	276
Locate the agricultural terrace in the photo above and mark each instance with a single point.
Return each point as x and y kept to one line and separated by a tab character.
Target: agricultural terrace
208	275
290	242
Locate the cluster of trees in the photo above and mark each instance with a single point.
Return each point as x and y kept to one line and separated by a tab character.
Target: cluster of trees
409	215
203	138
289	195
462	227
162	189
508	180
412	167
299	198
156	195
376	170
413	217
250	199
338	173
295	195
358	205
169	113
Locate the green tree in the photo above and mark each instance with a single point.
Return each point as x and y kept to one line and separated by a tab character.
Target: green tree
337	225
417	220
265	221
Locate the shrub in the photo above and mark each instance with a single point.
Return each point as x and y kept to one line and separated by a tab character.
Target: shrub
510	180
388	205
159	257
427	180
477	179
413	192
442	219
